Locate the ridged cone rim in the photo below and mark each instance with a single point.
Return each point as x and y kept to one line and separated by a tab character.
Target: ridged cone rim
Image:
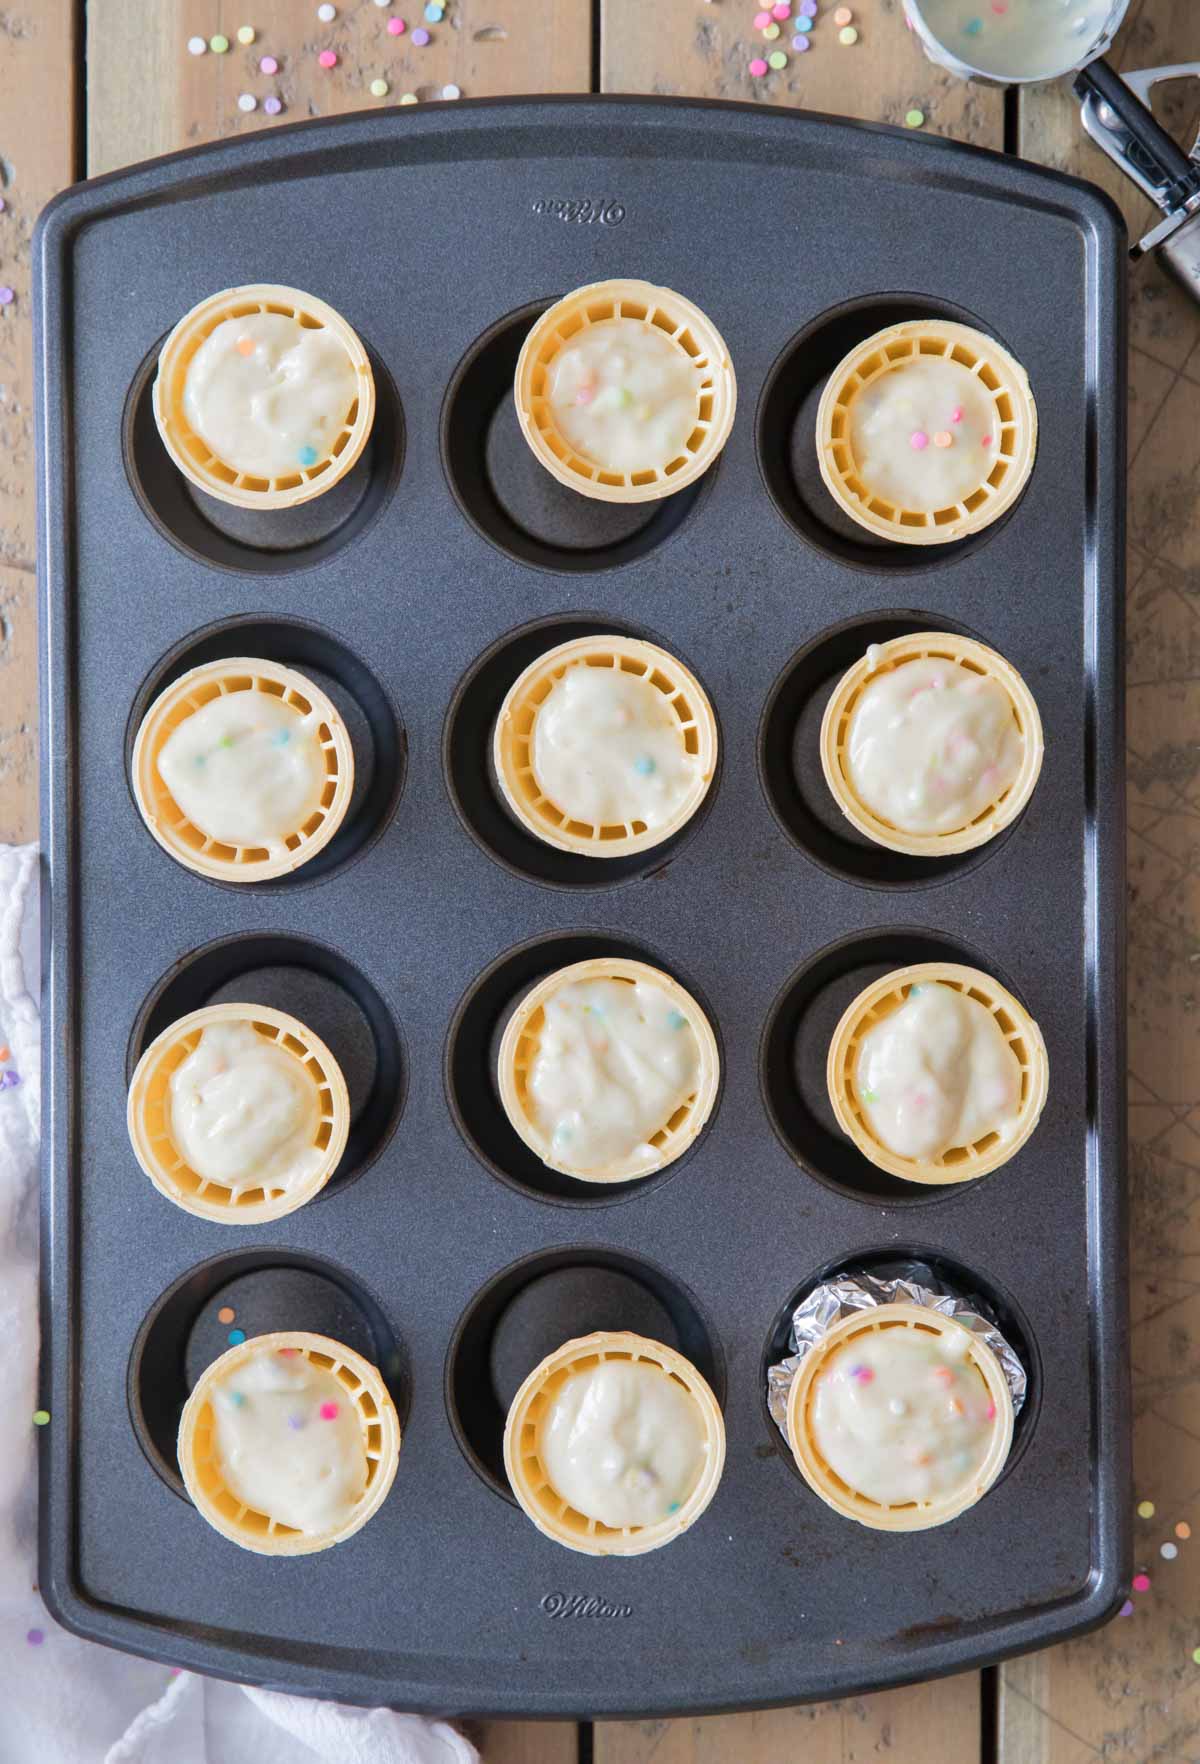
167	396
633	1540
292	1543
852	1505
146	778
605	968
685	312
1015	382
838	1069
991	821
146	1075
554	663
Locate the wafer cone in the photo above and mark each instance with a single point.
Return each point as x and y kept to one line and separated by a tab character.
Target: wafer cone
1015	431
193	455
973	658
201	1467
518	1047
849	1502
552	1515
692	333
961	1163
149	1116
166	820
512	743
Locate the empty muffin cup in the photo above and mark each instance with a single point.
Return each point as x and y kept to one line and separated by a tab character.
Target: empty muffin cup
926	432
608	1070
941	1426
243	769
289	1443
570	1459
605	746
624	391
937	1073
238	1113
264	396
941	733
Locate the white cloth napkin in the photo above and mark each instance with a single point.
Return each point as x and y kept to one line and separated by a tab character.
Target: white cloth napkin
66	1701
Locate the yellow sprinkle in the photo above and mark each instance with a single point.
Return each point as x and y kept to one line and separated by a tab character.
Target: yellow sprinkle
848	35
1145	1509
246	34
41	1417
771	31
379	88
408	97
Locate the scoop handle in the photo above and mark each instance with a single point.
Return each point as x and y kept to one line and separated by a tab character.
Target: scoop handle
1141	145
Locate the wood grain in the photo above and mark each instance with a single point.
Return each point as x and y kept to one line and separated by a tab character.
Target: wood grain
38	70
1131	1693
147	95
923	1724
526	1742
703	48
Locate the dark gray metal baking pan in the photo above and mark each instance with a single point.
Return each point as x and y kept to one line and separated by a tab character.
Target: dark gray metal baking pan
415	592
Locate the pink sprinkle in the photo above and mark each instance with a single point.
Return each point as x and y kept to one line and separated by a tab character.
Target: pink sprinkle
175	1671
939	680
1126	1609
327	58
7	296
920	1100
396	27
329	1411
584	395
3	205
918	440
944	1375
991	1411
268	65
864	1374
999	7
1141	1583
287	1353
35	1637
420	38
761	20
758	68
782	10
986	442
272	105
956	414
988	776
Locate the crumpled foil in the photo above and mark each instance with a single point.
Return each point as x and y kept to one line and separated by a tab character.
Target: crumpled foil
913	1283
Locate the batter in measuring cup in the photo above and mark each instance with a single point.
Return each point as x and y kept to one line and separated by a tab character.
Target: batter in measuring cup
924	433
288	1441
246	768
623	1442
624	395
608	750
937	1073
615	1059
244	1112
932	745
902	1416
1018	39
269	395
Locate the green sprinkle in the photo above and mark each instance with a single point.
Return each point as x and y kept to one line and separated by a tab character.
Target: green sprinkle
914	118
870	1096
41	1417
624	397
777	60
218	44
676	1020
227	740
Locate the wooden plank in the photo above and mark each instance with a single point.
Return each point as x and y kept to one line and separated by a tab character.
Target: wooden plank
922	1724
38	69
1131	1693
526	1742
147	95
703	48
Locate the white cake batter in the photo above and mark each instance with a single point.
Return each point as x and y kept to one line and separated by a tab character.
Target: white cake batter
270	396
289	1441
937	1073
246	768
624	396
902	1416
1017	39
608	749
614	1061
924	434
623	1442
931	745
245	1111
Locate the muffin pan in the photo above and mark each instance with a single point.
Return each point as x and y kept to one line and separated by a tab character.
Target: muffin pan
414	593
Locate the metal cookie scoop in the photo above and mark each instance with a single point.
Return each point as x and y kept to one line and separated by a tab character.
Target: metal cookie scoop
1117	115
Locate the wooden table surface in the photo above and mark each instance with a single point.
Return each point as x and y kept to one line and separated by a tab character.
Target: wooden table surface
71	108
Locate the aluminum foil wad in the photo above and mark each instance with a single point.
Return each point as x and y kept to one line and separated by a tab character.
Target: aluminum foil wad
913	1283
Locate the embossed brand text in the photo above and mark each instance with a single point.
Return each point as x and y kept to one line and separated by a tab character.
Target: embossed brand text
583	210
561	1604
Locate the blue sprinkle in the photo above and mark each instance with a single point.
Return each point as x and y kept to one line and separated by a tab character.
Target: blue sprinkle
677	1020
281	738
643	765
973	27
803	24
308	456
296	1422
237	1398
10	1080
674	1507
200	758
433	12
236	1337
